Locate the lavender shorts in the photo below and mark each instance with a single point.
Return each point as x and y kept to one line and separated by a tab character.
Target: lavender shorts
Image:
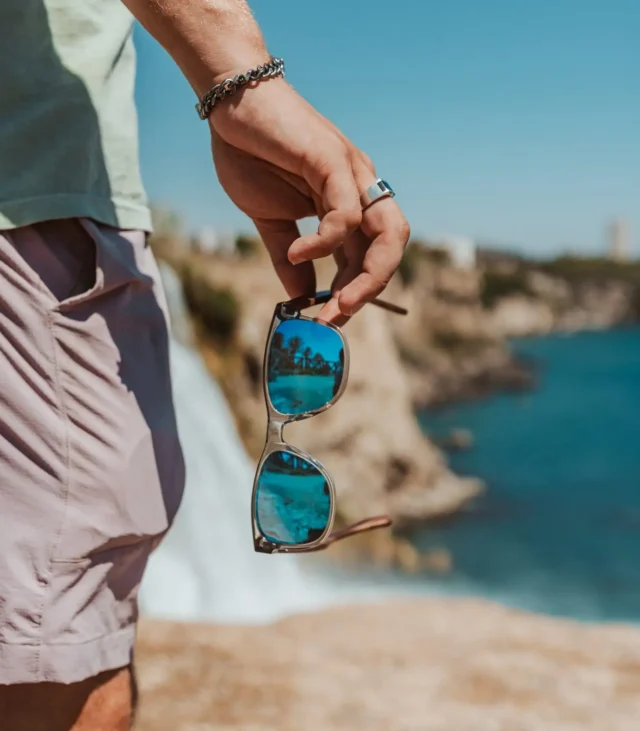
91	470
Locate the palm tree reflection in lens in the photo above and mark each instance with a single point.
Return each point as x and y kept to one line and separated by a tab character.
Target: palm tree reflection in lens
305	366
293	502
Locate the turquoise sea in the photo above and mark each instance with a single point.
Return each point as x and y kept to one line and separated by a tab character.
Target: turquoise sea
558	529
298	393
292	508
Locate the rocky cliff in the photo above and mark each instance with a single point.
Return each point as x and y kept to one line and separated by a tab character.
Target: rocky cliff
555	303
455	342
452	345
449	344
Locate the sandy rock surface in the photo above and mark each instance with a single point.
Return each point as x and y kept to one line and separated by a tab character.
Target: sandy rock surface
421	665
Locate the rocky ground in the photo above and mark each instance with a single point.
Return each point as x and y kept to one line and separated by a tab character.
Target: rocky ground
421	665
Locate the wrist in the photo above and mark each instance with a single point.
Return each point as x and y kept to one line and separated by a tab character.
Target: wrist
226	62
213	66
234	85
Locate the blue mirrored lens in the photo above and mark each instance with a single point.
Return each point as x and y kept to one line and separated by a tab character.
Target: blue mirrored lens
305	367
293	502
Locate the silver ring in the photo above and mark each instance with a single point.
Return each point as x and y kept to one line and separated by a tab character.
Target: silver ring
377	190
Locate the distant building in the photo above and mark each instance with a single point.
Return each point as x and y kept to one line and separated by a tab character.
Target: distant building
206	240
618	236
209	240
461	250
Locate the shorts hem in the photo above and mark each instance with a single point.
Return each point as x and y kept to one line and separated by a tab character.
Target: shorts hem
69	663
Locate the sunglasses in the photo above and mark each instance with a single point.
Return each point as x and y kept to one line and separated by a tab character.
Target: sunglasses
306	366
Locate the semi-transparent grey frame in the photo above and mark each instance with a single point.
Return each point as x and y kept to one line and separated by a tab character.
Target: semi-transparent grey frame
276	422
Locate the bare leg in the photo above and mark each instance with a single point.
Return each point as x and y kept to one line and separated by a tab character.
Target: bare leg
103	703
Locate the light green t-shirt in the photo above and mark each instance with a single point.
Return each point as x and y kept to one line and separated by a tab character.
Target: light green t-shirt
68	124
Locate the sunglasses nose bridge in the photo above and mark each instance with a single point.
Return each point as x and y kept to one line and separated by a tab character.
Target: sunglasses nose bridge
274	431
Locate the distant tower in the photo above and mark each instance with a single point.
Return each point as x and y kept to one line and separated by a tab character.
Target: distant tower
462	251
619	241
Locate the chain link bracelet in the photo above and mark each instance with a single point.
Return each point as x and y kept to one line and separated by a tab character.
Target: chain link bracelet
228	87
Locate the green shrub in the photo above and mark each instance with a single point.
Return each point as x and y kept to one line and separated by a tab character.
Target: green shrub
247	246
437	256
408	265
577	269
417	252
448	340
634	309
496	285
458	343
216	307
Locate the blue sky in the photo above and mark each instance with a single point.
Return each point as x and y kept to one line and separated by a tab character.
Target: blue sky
513	122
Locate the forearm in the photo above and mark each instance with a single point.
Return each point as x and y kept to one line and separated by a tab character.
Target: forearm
208	39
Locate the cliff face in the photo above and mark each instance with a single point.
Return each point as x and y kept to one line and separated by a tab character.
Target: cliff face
554	304
449	344
454	344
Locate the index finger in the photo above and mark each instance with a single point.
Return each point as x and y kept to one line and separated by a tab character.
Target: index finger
277	237
385	224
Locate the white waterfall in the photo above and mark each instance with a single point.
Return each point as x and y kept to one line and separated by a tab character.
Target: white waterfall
206	568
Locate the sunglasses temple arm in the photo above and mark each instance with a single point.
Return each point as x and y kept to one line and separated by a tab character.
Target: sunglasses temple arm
363	526
301	303
389	307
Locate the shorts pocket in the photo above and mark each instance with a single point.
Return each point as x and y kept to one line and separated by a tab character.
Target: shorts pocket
95	596
59	257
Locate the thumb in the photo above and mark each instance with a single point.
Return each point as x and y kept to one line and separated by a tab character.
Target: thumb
278	235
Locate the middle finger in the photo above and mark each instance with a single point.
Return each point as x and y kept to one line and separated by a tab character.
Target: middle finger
350	259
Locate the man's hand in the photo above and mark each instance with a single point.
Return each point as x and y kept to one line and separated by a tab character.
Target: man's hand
280	160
